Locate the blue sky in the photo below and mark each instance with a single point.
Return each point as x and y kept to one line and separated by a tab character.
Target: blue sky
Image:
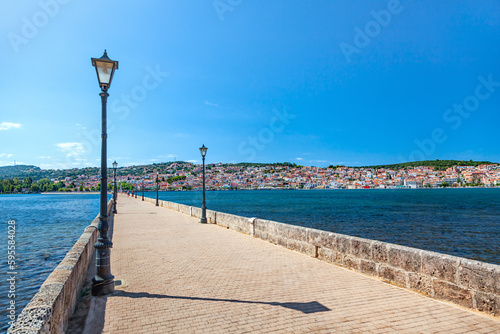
311	82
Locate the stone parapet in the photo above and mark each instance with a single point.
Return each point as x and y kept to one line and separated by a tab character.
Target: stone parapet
51	307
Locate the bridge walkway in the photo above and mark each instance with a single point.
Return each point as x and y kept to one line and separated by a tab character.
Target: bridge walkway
179	276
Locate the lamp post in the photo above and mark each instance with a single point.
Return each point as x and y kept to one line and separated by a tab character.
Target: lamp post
102	283
203	220
156	188
115	164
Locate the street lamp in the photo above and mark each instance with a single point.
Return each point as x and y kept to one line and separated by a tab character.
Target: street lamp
115	164
102	283
203	151
143	188
156	188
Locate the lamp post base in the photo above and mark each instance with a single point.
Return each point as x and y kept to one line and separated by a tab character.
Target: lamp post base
103	287
203	219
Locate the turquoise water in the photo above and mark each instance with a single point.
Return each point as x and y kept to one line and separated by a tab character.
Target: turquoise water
47	226
461	222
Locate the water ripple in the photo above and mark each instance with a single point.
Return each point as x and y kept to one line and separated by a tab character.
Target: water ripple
47	226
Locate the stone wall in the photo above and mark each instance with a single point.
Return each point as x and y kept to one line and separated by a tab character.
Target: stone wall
51	307
469	283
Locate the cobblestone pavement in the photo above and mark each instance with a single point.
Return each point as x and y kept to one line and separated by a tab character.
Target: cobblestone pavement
179	276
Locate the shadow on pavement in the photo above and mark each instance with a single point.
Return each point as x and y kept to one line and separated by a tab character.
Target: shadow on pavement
309	307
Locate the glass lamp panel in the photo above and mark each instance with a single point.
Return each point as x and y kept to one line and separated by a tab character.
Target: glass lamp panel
104	70
203	150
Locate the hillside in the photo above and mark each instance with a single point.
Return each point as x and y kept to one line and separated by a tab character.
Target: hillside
36	173
23	171
438	164
20	171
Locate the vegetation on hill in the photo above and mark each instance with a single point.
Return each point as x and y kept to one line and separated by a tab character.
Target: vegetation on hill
23	171
17	185
437	164
170	180
27	185
10	172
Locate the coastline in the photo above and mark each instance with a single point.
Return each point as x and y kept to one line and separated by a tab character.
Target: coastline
72	193
139	192
320	189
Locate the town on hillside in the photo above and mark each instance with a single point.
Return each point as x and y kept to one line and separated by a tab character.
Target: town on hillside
188	176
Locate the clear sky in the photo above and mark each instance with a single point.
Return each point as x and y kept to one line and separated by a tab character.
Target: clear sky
312	82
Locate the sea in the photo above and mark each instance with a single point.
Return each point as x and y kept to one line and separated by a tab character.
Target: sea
45	229
460	222
463	222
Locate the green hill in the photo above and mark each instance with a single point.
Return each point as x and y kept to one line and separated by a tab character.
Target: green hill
23	171
36	173
20	171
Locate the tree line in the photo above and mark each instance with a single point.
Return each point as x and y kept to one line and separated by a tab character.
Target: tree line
16	185
27	185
